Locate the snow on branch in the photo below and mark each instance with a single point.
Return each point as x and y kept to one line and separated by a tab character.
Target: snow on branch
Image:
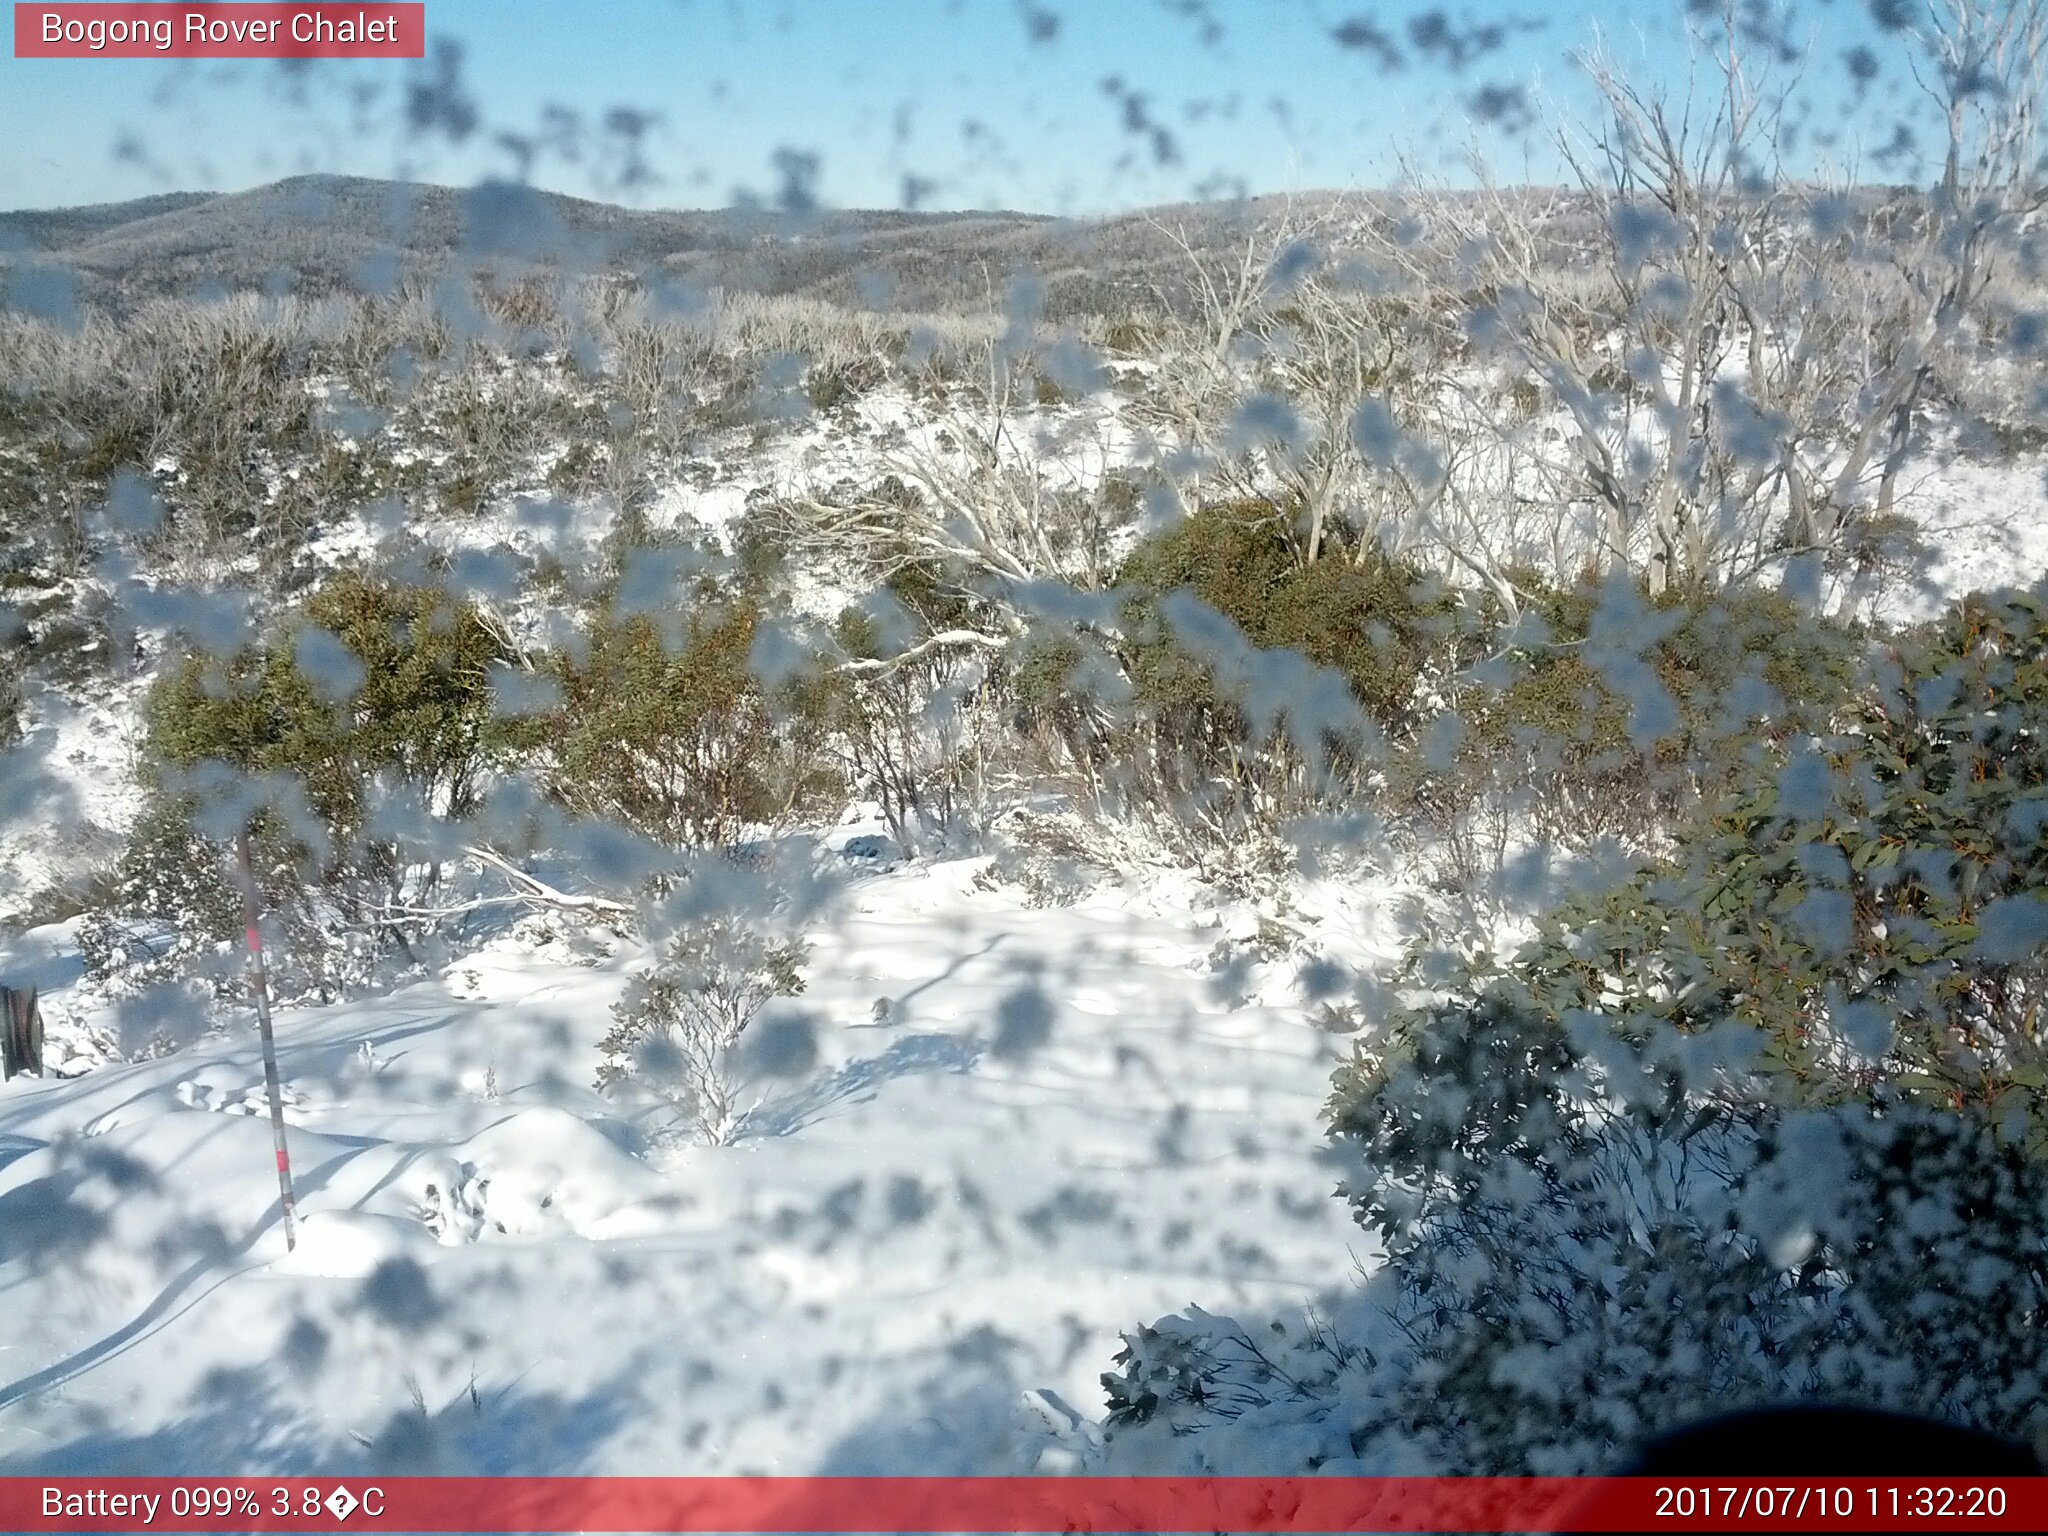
531	889
945	639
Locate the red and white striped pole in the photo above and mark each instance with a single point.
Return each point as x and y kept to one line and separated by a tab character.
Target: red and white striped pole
259	988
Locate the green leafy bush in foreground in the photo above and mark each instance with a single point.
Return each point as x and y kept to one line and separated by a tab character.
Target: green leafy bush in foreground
1869	906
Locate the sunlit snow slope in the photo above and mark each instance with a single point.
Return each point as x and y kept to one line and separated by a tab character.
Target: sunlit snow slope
1068	1119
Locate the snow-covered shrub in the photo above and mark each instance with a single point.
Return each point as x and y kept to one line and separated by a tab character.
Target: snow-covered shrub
832	386
1595	1237
1193	1375
906	723
1580	1254
657	364
675	1028
1603	712
1053	858
172	914
487	421
216	393
173	911
1764	1122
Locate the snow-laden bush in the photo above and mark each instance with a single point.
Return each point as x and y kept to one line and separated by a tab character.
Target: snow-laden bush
1593	1238
487	419
217	391
1600	712
675	1029
1578	1256
913	729
172	914
1052	857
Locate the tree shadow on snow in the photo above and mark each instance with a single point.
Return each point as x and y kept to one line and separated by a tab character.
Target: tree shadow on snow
55	1224
12	1147
967	1419
268	1420
858	1081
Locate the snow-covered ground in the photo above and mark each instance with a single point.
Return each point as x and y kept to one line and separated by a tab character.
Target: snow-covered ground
1064	1121
1985	525
67	789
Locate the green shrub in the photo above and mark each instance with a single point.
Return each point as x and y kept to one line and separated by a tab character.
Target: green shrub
368	680
368	688
1547	721
1365	615
1254	685
663	729
1871	904
1766	1120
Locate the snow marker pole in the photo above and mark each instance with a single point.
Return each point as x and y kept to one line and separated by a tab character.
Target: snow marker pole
259	988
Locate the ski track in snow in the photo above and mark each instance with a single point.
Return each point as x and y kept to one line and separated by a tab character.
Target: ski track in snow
905	1240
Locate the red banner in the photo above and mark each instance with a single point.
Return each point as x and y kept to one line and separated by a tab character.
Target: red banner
319	30
1120	1505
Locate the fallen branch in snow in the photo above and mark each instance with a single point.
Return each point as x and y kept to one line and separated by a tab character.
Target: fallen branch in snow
534	890
883	666
394	915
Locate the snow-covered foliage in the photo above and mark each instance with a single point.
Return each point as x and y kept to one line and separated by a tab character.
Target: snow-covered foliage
1562	1282
681	1019
1762	1122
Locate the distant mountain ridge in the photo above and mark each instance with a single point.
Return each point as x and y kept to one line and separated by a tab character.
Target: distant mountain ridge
324	234
51	229
319	235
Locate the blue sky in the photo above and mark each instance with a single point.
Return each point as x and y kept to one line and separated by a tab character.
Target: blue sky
1051	105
